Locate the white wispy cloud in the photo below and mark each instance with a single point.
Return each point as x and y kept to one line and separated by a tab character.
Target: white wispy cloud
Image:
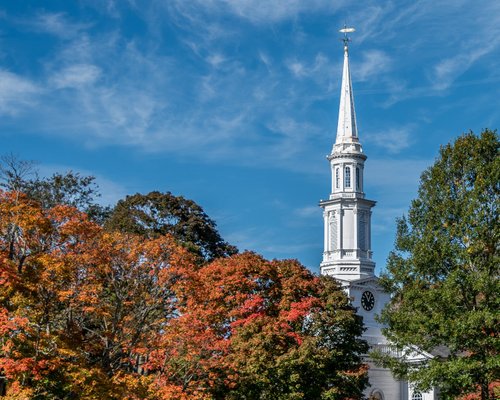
75	76
215	59
393	140
57	24
124	91
266	60
373	64
17	93
446	71
260	11
316	69
297	68
470	49
222	110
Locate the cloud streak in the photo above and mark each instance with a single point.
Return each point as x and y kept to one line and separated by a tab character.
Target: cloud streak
394	139
17	93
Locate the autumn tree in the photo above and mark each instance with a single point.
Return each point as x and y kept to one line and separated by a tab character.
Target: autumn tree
78	306
87	313
156	214
444	272
255	329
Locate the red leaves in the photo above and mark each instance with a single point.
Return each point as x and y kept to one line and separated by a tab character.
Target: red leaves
9	323
493	389
299	310
75	297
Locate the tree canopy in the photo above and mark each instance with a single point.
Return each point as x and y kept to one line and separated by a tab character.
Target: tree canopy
444	273
155	214
78	305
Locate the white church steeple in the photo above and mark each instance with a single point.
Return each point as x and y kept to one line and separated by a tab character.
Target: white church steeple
347	254
347	214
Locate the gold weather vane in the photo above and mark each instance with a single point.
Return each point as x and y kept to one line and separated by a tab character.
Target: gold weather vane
345	30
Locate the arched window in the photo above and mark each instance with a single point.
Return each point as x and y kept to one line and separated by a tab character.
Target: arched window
376	395
347	177
358	183
416	396
337	178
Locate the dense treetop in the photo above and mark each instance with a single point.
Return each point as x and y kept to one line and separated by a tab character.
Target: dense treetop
156	214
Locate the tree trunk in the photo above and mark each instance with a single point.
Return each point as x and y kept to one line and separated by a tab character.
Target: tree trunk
485	393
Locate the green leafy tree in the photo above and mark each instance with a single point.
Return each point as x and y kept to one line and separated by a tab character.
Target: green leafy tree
444	273
156	214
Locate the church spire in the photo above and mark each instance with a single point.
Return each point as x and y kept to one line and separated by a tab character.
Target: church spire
347	130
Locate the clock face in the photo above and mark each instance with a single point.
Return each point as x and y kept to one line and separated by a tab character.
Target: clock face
367	300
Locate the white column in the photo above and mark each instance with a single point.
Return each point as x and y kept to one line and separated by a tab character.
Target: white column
332	166
361	177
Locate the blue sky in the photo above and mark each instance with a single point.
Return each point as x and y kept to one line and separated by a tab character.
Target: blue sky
234	103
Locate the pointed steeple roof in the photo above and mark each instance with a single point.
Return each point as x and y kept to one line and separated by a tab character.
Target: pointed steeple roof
347	129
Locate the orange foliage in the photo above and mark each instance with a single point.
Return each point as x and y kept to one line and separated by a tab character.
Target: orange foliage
494	389
77	304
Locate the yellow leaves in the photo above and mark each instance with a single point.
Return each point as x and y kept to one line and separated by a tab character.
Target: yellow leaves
18	392
169	391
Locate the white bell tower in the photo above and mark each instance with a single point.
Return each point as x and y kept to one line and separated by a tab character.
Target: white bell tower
347	251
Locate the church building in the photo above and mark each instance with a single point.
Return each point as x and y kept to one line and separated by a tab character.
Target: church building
347	254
